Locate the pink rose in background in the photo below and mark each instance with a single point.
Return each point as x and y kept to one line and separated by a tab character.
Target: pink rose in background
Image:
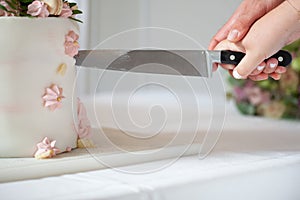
46	149
239	94
256	96
3	12
71	44
66	11
84	127
250	92
38	9
53	97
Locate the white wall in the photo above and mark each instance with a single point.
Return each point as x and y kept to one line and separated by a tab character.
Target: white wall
196	19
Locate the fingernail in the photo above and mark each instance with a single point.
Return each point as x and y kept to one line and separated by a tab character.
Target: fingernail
260	68
236	75
233	35
272	65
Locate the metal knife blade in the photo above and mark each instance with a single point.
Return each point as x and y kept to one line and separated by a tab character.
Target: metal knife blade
171	62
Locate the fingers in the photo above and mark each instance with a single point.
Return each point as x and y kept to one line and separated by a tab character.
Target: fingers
259	77
271	66
247	65
215	67
275	76
259	69
280	70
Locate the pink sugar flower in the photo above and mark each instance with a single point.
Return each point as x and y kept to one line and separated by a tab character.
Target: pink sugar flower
4	13
53	97
46	149
38	9
71	44
66	11
84	127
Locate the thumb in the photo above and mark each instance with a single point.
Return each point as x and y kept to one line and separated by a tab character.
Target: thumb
247	65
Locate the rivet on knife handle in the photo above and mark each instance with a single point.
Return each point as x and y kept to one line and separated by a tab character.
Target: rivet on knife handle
232	57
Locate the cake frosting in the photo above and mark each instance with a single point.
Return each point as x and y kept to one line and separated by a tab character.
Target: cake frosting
38	105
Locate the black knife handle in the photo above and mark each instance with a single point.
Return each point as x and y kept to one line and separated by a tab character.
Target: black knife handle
232	57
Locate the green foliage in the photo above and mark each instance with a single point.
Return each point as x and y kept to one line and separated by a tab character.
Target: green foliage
236	82
246	108
296	64
268	84
293	47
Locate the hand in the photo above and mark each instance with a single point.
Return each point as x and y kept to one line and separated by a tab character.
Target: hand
265	38
246	14
263	70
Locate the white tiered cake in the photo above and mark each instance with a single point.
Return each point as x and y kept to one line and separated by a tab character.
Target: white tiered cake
38	106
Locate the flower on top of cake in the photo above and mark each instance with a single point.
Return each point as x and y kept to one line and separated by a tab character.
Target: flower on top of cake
39	8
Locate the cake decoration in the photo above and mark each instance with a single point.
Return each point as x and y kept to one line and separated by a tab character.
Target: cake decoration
38	9
53	97
66	10
53	36
46	149
62	68
84	127
5	10
85	143
71	44
54	6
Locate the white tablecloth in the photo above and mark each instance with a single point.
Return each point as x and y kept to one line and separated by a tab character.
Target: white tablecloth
255	158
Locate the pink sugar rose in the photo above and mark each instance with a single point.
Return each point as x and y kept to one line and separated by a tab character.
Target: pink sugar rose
38	9
3	12
256	96
239	94
71	44
66	11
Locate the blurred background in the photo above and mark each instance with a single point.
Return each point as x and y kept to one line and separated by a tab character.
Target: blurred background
196	19
167	24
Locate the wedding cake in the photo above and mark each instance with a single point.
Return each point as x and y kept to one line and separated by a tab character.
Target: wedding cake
40	114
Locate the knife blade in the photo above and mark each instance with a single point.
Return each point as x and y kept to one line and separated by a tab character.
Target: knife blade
170	62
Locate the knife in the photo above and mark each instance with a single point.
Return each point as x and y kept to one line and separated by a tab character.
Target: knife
171	62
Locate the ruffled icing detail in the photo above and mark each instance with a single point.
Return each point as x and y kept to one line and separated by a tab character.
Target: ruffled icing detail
84	126
46	149
71	44
53	97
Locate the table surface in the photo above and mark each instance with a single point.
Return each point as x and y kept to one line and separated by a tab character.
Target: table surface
260	162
